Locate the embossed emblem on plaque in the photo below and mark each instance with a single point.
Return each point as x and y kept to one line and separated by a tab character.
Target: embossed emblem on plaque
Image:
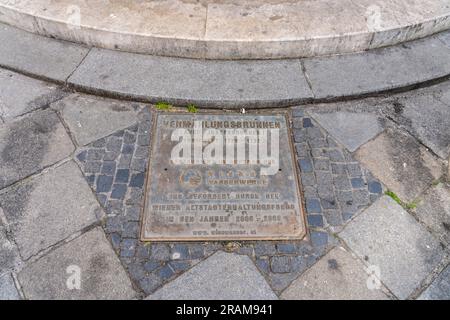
222	177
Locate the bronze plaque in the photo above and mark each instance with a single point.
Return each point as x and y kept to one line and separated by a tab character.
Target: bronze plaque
222	177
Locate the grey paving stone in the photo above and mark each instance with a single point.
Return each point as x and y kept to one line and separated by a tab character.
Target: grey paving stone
440	288
102	275
9	256
39	55
221	276
350	128
49	208
203	82
386	236
8	289
378	70
433	209
91	118
20	94
31	143
401	163
336	276
445	37
426	118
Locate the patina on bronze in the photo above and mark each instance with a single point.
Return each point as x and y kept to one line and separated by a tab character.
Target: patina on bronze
200	199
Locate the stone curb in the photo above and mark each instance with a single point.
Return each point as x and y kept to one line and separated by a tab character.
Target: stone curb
226	84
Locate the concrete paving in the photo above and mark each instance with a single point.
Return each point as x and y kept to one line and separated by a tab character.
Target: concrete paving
92	119
433	209
20	94
401	163
31	143
389	239
85	269
222	276
47	209
73	208
8	289
337	276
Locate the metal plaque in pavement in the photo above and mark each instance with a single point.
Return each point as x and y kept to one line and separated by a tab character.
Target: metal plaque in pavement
222	177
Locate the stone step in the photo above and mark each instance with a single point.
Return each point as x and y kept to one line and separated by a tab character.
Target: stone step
226	84
232	29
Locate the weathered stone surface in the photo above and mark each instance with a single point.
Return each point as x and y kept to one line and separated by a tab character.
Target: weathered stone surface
49	208
202	82
20	94
236	200
433	209
212	29
426	118
31	143
336	276
90	118
387	237
377	70
102	275
350	128
39	55
8	252
223	276
440	288
401	163
8	289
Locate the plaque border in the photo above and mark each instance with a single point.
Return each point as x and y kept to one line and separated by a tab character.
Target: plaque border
301	235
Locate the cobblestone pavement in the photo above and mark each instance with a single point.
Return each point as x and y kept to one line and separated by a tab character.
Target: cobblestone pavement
374	178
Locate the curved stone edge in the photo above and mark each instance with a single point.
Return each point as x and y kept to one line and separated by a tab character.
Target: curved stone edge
226	84
219	47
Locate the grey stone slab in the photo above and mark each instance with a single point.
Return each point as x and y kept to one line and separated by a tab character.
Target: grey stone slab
388	238
440	288
401	163
38	55
433	209
427	119
9	256
223	276
90	118
445	37
350	128
378	70
8	289
337	276
203	82
49	208
31	143
90	256
20	94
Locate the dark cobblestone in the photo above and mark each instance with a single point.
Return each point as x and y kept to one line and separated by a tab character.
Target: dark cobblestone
264	249
280	264
327	173
306	165
150	283
287	248
315	220
150	266
179	266
166	272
